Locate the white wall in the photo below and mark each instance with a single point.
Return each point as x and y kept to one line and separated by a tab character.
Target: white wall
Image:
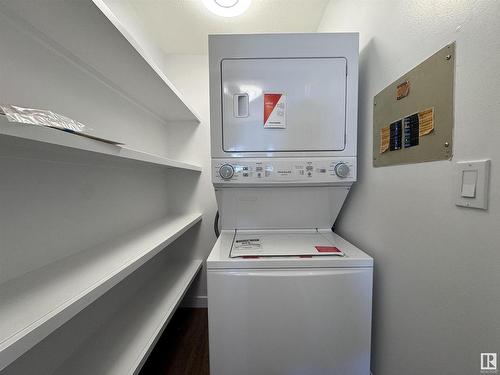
437	266
189	73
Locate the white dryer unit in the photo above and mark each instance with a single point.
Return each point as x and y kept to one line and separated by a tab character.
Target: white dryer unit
286	295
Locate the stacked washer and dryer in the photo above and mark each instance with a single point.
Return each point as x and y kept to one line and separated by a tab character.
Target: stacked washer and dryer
286	295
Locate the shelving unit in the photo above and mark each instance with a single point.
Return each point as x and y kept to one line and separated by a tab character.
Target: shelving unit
34	305
80	59
122	344
54	137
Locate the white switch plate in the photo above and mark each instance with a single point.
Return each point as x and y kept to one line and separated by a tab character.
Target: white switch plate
468	195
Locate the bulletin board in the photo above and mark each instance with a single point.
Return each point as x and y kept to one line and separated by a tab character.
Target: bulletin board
413	117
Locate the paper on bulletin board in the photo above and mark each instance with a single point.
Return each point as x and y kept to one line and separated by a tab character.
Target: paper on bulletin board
384	139
426	121
402	90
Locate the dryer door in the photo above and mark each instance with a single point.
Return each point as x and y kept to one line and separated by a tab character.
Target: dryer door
283	104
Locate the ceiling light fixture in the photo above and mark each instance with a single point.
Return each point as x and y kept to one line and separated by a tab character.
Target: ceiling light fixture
227	8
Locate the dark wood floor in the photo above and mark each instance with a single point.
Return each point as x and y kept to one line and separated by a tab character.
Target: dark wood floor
183	347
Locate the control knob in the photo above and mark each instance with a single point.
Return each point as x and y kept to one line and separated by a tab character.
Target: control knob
342	170
226	171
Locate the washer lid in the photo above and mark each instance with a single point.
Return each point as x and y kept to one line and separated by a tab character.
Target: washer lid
220	256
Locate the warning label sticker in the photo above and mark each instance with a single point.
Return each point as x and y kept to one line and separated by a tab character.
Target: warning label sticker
247	243
275	110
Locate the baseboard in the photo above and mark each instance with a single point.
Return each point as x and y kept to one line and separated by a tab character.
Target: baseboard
195	301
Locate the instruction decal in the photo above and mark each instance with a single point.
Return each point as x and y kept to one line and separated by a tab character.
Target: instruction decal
274	111
247	244
395	136
411	130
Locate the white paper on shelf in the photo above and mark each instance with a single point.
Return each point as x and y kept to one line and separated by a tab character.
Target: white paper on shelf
49	119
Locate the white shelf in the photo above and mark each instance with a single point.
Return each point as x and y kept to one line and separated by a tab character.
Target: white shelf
34	305
123	344
109	51
140	43
56	137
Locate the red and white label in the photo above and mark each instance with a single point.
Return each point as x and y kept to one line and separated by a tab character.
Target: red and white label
275	110
327	249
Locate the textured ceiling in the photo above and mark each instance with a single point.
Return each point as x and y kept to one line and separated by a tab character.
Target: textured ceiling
182	26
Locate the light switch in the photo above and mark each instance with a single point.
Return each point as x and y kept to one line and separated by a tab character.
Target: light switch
469	181
473	184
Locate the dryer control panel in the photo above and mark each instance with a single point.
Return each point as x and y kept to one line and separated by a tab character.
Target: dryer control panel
284	171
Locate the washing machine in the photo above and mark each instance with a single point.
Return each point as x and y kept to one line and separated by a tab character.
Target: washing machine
286	294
